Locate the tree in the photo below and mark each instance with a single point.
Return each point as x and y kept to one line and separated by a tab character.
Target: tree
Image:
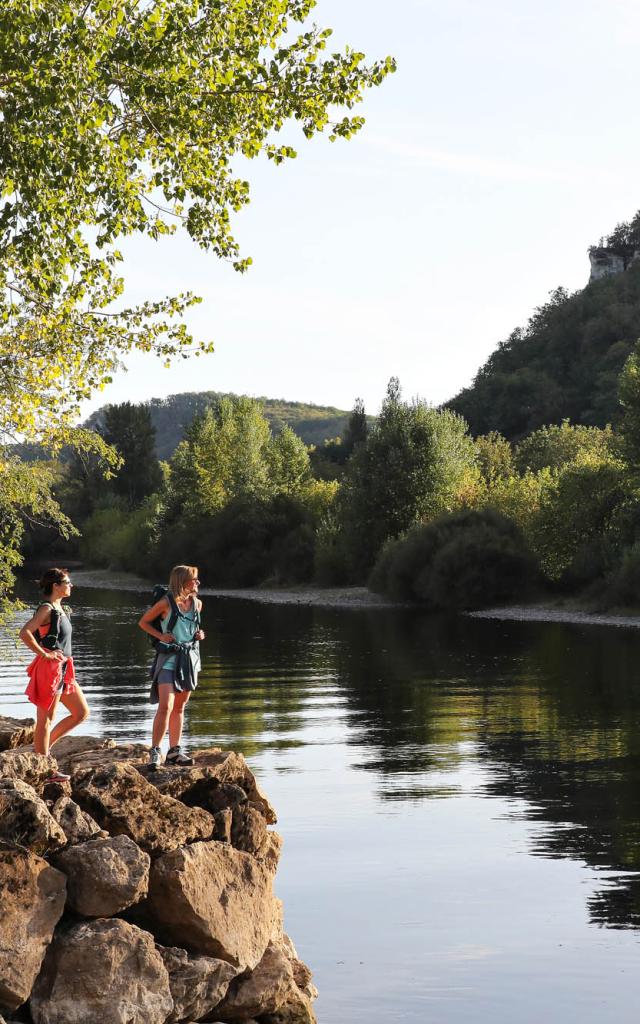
128	429
357	429
121	117
289	466
409	469
629	395
555	446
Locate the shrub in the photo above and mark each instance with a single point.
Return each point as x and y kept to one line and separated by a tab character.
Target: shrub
623	585
464	560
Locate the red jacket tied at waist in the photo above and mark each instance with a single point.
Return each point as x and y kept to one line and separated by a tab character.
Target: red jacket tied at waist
44	680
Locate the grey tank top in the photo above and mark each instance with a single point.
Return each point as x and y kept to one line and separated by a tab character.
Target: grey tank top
61	641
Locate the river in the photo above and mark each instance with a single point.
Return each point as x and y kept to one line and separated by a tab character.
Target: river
459	799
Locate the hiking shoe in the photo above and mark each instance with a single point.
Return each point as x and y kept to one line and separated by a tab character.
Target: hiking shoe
175	756
58	777
155	757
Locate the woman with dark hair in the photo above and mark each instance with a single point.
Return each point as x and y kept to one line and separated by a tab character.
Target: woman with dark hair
174	623
51	673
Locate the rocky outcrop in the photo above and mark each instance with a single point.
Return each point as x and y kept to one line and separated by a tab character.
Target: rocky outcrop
25	818
198	983
15	732
104	876
107	972
124	803
186	860
32	896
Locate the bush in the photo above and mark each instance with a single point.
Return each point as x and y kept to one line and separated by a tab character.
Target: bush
465	560
623	585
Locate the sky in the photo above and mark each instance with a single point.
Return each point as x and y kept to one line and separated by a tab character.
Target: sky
506	143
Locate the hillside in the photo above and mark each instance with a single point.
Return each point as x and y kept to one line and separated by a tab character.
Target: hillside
172	415
564	363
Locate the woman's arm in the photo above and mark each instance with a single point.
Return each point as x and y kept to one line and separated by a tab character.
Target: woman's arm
161	609
28	634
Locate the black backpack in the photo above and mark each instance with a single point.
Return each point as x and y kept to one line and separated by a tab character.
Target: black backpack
159	591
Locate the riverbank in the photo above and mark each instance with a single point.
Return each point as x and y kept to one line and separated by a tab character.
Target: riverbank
540	613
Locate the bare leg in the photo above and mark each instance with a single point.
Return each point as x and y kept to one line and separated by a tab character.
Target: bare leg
165	707
41	737
176	718
78	709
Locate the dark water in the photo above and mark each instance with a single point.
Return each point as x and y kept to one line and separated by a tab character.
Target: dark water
460	800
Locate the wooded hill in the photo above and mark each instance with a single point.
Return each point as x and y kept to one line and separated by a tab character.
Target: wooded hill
564	364
172	415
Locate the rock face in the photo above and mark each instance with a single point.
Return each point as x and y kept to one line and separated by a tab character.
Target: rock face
124	803
15	732
25	818
217	899
183	856
32	896
107	972
104	876
197	983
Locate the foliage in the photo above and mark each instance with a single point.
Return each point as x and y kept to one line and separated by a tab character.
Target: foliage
623	584
115	537
288	462
411	467
128	429
629	395
556	445
467	559
494	455
563	365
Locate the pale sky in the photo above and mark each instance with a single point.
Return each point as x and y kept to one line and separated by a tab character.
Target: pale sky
506	143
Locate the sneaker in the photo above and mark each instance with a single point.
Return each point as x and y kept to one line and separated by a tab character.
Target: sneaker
175	756
58	777
155	757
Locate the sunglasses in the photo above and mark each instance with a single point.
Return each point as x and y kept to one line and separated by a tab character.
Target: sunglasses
63	583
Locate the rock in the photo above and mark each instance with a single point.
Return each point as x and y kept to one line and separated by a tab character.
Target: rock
265	990
69	747
223	821
197	983
101	757
102	972
124	803
214	900
28	767
14	732
77	825
104	876
296	1010
32	896
25	818
232	767
248	829
270	853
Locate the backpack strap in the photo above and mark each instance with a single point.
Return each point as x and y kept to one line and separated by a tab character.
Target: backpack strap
53	632
174	613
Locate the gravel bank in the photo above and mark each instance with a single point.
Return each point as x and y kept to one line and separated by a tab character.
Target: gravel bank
524	613
318	597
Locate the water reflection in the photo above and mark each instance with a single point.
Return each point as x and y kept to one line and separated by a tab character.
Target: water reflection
390	716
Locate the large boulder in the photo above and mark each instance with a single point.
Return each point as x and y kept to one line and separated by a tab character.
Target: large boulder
31	768
102	972
124	803
77	825
213	900
232	767
14	732
25	818
97	753
197	983
265	990
32	896
104	876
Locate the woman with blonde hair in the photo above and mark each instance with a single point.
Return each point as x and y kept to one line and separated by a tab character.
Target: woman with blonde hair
173	623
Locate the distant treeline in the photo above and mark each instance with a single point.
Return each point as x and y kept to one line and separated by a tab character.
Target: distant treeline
172	415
